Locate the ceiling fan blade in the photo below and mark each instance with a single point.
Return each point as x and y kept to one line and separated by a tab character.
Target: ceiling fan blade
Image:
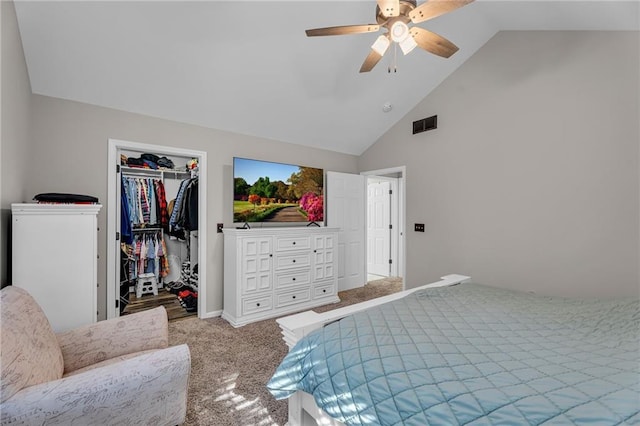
389	8
432	42
433	8
371	60
345	29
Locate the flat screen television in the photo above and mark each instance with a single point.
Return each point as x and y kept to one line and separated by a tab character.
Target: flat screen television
269	192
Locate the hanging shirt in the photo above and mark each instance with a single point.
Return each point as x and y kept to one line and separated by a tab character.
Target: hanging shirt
125	215
162	204
153	208
173	224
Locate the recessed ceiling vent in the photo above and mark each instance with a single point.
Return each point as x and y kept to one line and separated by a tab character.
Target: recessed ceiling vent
425	124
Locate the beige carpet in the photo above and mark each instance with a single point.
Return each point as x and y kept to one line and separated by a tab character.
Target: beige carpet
230	366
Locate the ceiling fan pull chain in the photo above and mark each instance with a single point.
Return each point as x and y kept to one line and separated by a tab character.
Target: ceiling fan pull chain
395	58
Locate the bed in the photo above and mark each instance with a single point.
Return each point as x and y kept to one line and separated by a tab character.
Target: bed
454	352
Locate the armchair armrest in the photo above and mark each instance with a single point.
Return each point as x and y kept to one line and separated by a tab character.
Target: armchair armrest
147	389
104	340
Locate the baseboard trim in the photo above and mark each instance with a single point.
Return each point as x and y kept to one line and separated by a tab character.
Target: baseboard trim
211	314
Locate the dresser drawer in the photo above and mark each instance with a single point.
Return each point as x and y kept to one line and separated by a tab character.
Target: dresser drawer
300	242
293	278
257	304
293	260
324	290
293	297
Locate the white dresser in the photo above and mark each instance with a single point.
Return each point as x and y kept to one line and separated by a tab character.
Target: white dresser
54	258
276	271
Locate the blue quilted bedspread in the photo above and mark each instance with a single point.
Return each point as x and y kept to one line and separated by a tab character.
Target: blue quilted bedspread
473	355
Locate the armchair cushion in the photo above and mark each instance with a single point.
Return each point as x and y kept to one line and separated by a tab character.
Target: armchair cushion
149	389
95	343
29	352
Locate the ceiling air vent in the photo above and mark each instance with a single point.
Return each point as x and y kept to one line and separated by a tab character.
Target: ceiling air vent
425	124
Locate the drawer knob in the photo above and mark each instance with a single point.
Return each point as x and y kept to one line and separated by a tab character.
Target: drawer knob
294	297
270	255
257	304
315	251
294	243
294	278
294	261
324	290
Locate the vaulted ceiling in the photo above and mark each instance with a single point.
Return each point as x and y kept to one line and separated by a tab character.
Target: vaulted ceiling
247	66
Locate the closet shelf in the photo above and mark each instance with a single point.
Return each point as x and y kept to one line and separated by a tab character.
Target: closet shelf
161	173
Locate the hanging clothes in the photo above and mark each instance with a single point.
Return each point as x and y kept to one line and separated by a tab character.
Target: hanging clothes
144	205
175	228
184	215
162	204
150	254
191	206
125	216
145	201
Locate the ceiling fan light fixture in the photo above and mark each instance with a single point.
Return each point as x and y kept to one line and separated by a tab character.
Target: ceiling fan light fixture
407	45
381	45
399	31
400	34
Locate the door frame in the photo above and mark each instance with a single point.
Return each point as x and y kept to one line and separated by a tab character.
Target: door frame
400	218
112	244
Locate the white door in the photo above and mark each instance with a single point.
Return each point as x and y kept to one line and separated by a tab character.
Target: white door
346	210
378	227
395	177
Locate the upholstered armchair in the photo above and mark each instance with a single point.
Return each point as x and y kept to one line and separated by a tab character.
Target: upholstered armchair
114	372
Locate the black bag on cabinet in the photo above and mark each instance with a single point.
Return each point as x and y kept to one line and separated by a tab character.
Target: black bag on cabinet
59	197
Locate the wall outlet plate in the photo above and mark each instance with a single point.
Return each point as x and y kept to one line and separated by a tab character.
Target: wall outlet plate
419	227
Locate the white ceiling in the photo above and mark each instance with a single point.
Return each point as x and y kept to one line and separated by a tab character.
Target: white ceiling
247	66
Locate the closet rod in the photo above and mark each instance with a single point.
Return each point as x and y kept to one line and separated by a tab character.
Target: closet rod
175	173
147	229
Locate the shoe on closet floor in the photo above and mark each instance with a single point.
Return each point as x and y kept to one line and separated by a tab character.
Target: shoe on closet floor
177	288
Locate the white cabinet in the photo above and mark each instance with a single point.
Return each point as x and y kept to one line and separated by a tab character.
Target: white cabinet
276	271
54	258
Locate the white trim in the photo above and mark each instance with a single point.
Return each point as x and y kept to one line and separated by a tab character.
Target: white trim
211	314
65	209
112	264
401	214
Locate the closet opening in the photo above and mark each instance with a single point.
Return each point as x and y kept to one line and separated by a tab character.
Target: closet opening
156	239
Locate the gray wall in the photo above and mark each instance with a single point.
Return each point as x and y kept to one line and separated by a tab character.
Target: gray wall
531	179
70	144
16	101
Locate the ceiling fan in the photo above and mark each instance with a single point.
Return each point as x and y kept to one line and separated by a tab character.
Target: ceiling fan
394	15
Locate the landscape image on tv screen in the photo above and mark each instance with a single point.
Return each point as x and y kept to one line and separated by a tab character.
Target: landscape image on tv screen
274	192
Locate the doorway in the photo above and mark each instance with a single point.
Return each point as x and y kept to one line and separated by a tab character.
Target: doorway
195	241
385	223
347	210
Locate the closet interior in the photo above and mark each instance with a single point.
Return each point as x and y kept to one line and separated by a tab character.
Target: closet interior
158	223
